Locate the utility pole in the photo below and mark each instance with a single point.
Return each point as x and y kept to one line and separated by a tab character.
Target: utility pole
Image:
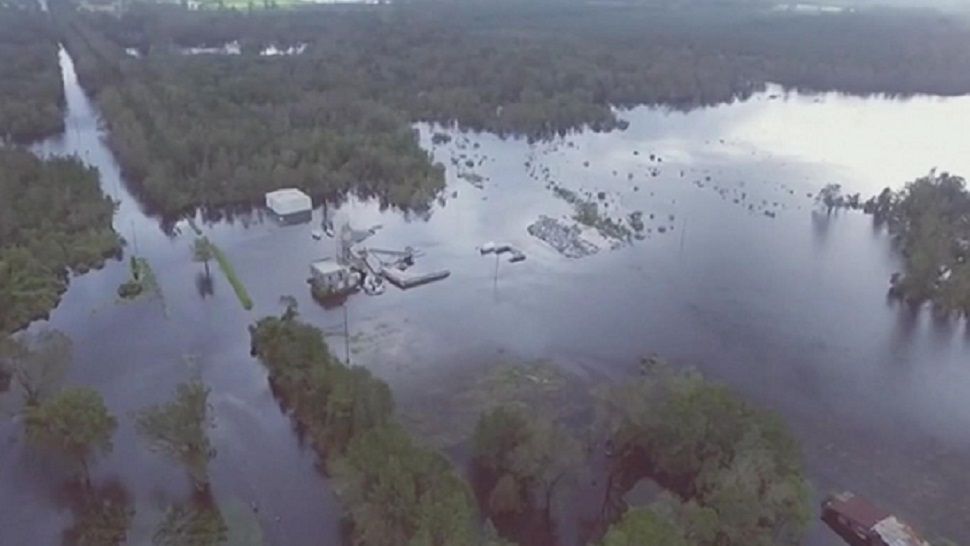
495	286
346	336
134	238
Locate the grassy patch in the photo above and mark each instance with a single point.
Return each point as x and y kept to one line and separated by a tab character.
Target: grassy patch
233	279
446	413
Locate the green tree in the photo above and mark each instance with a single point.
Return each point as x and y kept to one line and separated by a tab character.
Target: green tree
526	454
179	430
202	252
74	423
643	527
727	459
930	221
397	493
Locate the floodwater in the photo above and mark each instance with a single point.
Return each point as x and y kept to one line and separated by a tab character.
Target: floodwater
788	307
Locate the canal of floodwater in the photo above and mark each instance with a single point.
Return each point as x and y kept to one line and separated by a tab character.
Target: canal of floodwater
747	283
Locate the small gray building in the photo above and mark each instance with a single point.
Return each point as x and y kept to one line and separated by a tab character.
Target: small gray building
329	277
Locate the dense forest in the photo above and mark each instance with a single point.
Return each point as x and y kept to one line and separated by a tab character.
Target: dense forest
53	220
929	220
732	473
31	95
210	129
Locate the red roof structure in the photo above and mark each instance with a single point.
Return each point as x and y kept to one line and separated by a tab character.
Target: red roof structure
857	509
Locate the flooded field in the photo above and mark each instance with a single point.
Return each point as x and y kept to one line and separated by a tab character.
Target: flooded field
735	274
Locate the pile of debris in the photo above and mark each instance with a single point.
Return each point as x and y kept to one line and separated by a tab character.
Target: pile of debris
515	255
565	238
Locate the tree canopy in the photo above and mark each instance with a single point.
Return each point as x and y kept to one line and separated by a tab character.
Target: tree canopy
526	456
74	423
735	470
31	95
53	220
644	527
179	430
930	221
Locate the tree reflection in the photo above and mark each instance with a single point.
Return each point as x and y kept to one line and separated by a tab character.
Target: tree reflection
820	227
198	522
204	285
102	514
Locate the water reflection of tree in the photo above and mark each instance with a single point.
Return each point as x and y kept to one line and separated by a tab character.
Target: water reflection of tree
820	227
204	285
197	522
102	514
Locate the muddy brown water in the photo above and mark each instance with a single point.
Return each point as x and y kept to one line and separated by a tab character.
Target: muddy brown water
789	309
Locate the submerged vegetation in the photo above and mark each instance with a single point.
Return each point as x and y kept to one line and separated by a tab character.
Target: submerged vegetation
31	95
53	220
929	220
230	272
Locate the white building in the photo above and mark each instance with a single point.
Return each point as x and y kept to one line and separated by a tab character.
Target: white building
290	205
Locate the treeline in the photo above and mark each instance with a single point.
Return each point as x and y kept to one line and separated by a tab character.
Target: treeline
929	220
53	220
31	94
210	129
732	473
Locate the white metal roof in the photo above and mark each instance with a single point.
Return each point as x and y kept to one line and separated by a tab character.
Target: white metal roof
288	201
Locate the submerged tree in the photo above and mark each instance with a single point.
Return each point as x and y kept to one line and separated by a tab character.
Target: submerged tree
929	219
830	197
527	457
179	430
74	423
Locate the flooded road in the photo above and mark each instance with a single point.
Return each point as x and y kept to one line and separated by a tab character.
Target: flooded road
746	283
